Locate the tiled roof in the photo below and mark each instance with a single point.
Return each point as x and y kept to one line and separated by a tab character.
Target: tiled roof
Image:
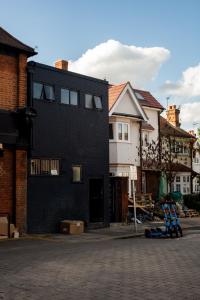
177	167
146	126
10	41
114	93
168	129
116	90
149	100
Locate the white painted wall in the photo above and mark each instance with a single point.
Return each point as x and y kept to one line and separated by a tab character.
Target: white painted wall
126	106
152	115
122	152
196	168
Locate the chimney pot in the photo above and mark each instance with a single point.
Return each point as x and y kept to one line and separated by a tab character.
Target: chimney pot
61	64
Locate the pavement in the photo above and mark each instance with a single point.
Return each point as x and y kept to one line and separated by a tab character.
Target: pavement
115	231
102	266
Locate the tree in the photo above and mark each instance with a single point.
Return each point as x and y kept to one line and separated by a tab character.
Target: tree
161	155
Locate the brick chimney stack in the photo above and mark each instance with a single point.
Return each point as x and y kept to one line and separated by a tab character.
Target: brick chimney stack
62	64
173	115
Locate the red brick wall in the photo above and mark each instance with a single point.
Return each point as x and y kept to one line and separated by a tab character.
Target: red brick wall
6	182
21	189
8	80
13	93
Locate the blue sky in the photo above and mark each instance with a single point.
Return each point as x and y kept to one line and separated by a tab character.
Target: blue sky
67	29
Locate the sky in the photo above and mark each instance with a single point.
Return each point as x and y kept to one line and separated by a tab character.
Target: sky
154	44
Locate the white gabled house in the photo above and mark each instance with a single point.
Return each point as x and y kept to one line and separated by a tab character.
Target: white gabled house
125	121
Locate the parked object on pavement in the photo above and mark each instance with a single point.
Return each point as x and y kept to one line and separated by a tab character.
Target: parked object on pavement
71	227
171	222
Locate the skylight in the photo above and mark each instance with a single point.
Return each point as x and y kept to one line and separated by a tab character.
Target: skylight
139	96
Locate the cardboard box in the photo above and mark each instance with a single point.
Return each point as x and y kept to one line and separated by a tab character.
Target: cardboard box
71	227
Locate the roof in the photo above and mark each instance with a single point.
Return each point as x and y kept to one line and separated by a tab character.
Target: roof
149	100
146	126
167	128
6	39
114	93
177	167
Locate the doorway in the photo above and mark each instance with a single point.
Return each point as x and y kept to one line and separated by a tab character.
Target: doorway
96	198
118	199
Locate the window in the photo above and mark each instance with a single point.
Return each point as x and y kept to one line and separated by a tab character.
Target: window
111	136
178	179
188	178
45	167
123	132
181	148
184	178
126	132
64	96
93	102
178	187
73	98
145	138
69	97
88	101
76	173
139	96
43	91
97	102
120	131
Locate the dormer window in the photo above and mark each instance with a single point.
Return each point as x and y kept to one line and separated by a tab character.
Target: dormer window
139	96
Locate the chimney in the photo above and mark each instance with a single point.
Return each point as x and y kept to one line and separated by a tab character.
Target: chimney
173	115
61	64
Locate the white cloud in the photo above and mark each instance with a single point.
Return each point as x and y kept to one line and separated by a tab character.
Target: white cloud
119	63
188	86
189	114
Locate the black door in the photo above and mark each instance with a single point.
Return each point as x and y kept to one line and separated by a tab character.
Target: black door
96	200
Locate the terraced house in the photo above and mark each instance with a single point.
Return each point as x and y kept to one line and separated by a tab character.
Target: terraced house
134	118
180	146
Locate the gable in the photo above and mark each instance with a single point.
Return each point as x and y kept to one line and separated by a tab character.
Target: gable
127	106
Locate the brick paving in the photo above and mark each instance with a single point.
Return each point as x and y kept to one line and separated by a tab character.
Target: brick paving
135	268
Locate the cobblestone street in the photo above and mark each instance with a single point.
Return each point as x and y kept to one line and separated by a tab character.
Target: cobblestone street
135	268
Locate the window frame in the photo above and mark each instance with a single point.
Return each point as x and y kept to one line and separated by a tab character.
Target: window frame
70	91
43	95
145	143
48	162
94	106
81	173
123	140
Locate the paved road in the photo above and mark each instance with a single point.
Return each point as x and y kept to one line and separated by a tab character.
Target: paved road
135	268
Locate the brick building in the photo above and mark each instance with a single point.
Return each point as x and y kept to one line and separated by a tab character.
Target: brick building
14	120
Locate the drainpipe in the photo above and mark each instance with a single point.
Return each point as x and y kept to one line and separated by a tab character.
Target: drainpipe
14	210
141	156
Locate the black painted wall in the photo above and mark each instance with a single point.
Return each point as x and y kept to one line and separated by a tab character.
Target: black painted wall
73	134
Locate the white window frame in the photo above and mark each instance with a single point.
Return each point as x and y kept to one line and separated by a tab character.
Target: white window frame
145	143
123	140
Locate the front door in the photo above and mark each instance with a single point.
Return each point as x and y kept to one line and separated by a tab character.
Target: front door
118	199
96	197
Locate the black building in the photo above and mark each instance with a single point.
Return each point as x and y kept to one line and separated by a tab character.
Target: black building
69	148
